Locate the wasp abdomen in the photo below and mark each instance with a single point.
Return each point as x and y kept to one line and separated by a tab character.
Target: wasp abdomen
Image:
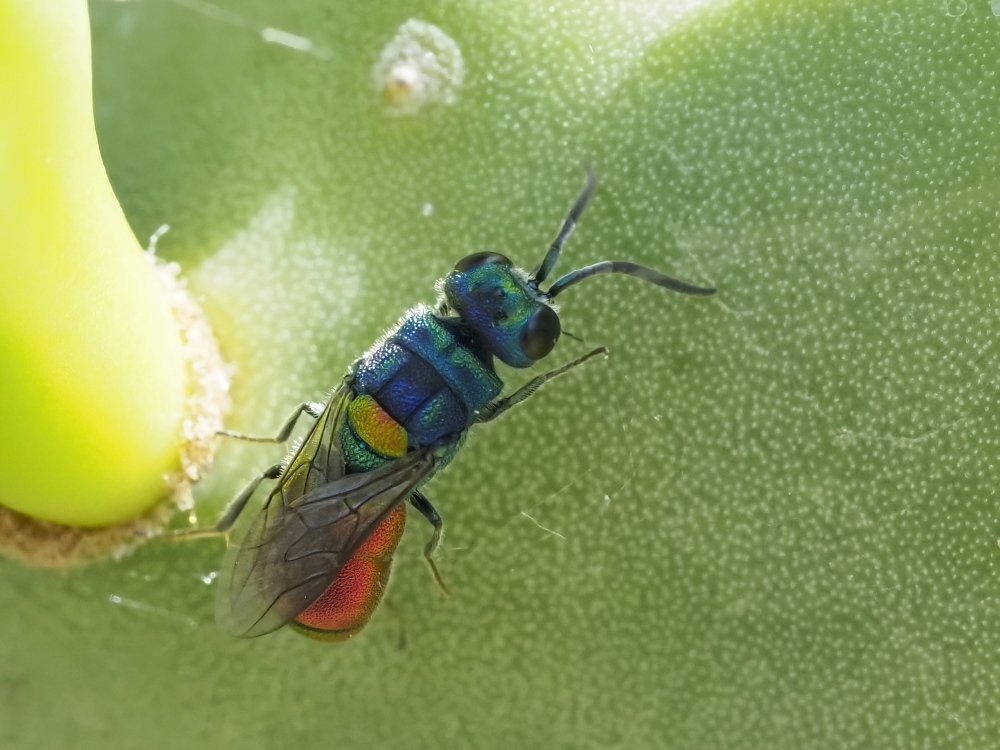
370	436
347	605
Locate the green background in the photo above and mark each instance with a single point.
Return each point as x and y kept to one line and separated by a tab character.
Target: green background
767	521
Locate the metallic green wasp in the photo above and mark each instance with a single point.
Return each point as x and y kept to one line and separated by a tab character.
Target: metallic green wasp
318	554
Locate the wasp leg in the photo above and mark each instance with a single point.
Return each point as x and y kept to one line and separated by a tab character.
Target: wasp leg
419	501
233	510
312	408
498	407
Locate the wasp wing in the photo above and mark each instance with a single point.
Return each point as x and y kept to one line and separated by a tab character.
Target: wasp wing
294	549
318	461
320	458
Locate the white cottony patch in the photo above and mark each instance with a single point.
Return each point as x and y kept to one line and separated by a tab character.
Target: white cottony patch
420	66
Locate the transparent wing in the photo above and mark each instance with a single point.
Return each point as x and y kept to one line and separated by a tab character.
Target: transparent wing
320	458
312	523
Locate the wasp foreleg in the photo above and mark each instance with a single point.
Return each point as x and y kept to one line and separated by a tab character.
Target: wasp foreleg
498	407
419	501
312	408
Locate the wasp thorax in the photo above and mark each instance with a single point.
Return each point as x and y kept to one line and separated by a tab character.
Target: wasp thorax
507	316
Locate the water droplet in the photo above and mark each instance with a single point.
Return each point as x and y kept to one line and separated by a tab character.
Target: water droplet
995	7
428	209
419	67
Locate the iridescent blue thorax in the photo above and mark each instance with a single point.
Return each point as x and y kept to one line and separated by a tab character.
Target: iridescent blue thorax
430	376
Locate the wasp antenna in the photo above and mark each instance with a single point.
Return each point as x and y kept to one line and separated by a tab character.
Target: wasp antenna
569	224
629	269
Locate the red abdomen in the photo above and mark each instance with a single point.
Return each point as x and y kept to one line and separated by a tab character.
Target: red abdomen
347	605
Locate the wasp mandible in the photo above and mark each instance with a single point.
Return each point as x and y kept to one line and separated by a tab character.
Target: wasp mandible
318	554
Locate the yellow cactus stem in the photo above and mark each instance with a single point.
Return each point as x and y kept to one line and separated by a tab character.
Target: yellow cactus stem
93	372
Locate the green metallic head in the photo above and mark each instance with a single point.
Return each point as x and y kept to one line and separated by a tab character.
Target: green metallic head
509	316
508	313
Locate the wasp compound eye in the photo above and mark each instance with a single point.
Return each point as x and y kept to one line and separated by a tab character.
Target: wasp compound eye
476	260
540	333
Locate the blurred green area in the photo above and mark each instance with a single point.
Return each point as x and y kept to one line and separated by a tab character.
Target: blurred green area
766	521
87	338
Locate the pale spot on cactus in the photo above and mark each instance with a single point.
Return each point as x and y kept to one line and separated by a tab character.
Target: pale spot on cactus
421	66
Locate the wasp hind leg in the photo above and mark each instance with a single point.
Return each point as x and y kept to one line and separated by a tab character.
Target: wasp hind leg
498	407
312	408
238	503
233	510
419	501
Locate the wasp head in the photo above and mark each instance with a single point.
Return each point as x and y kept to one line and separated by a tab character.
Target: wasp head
507	310
506	313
